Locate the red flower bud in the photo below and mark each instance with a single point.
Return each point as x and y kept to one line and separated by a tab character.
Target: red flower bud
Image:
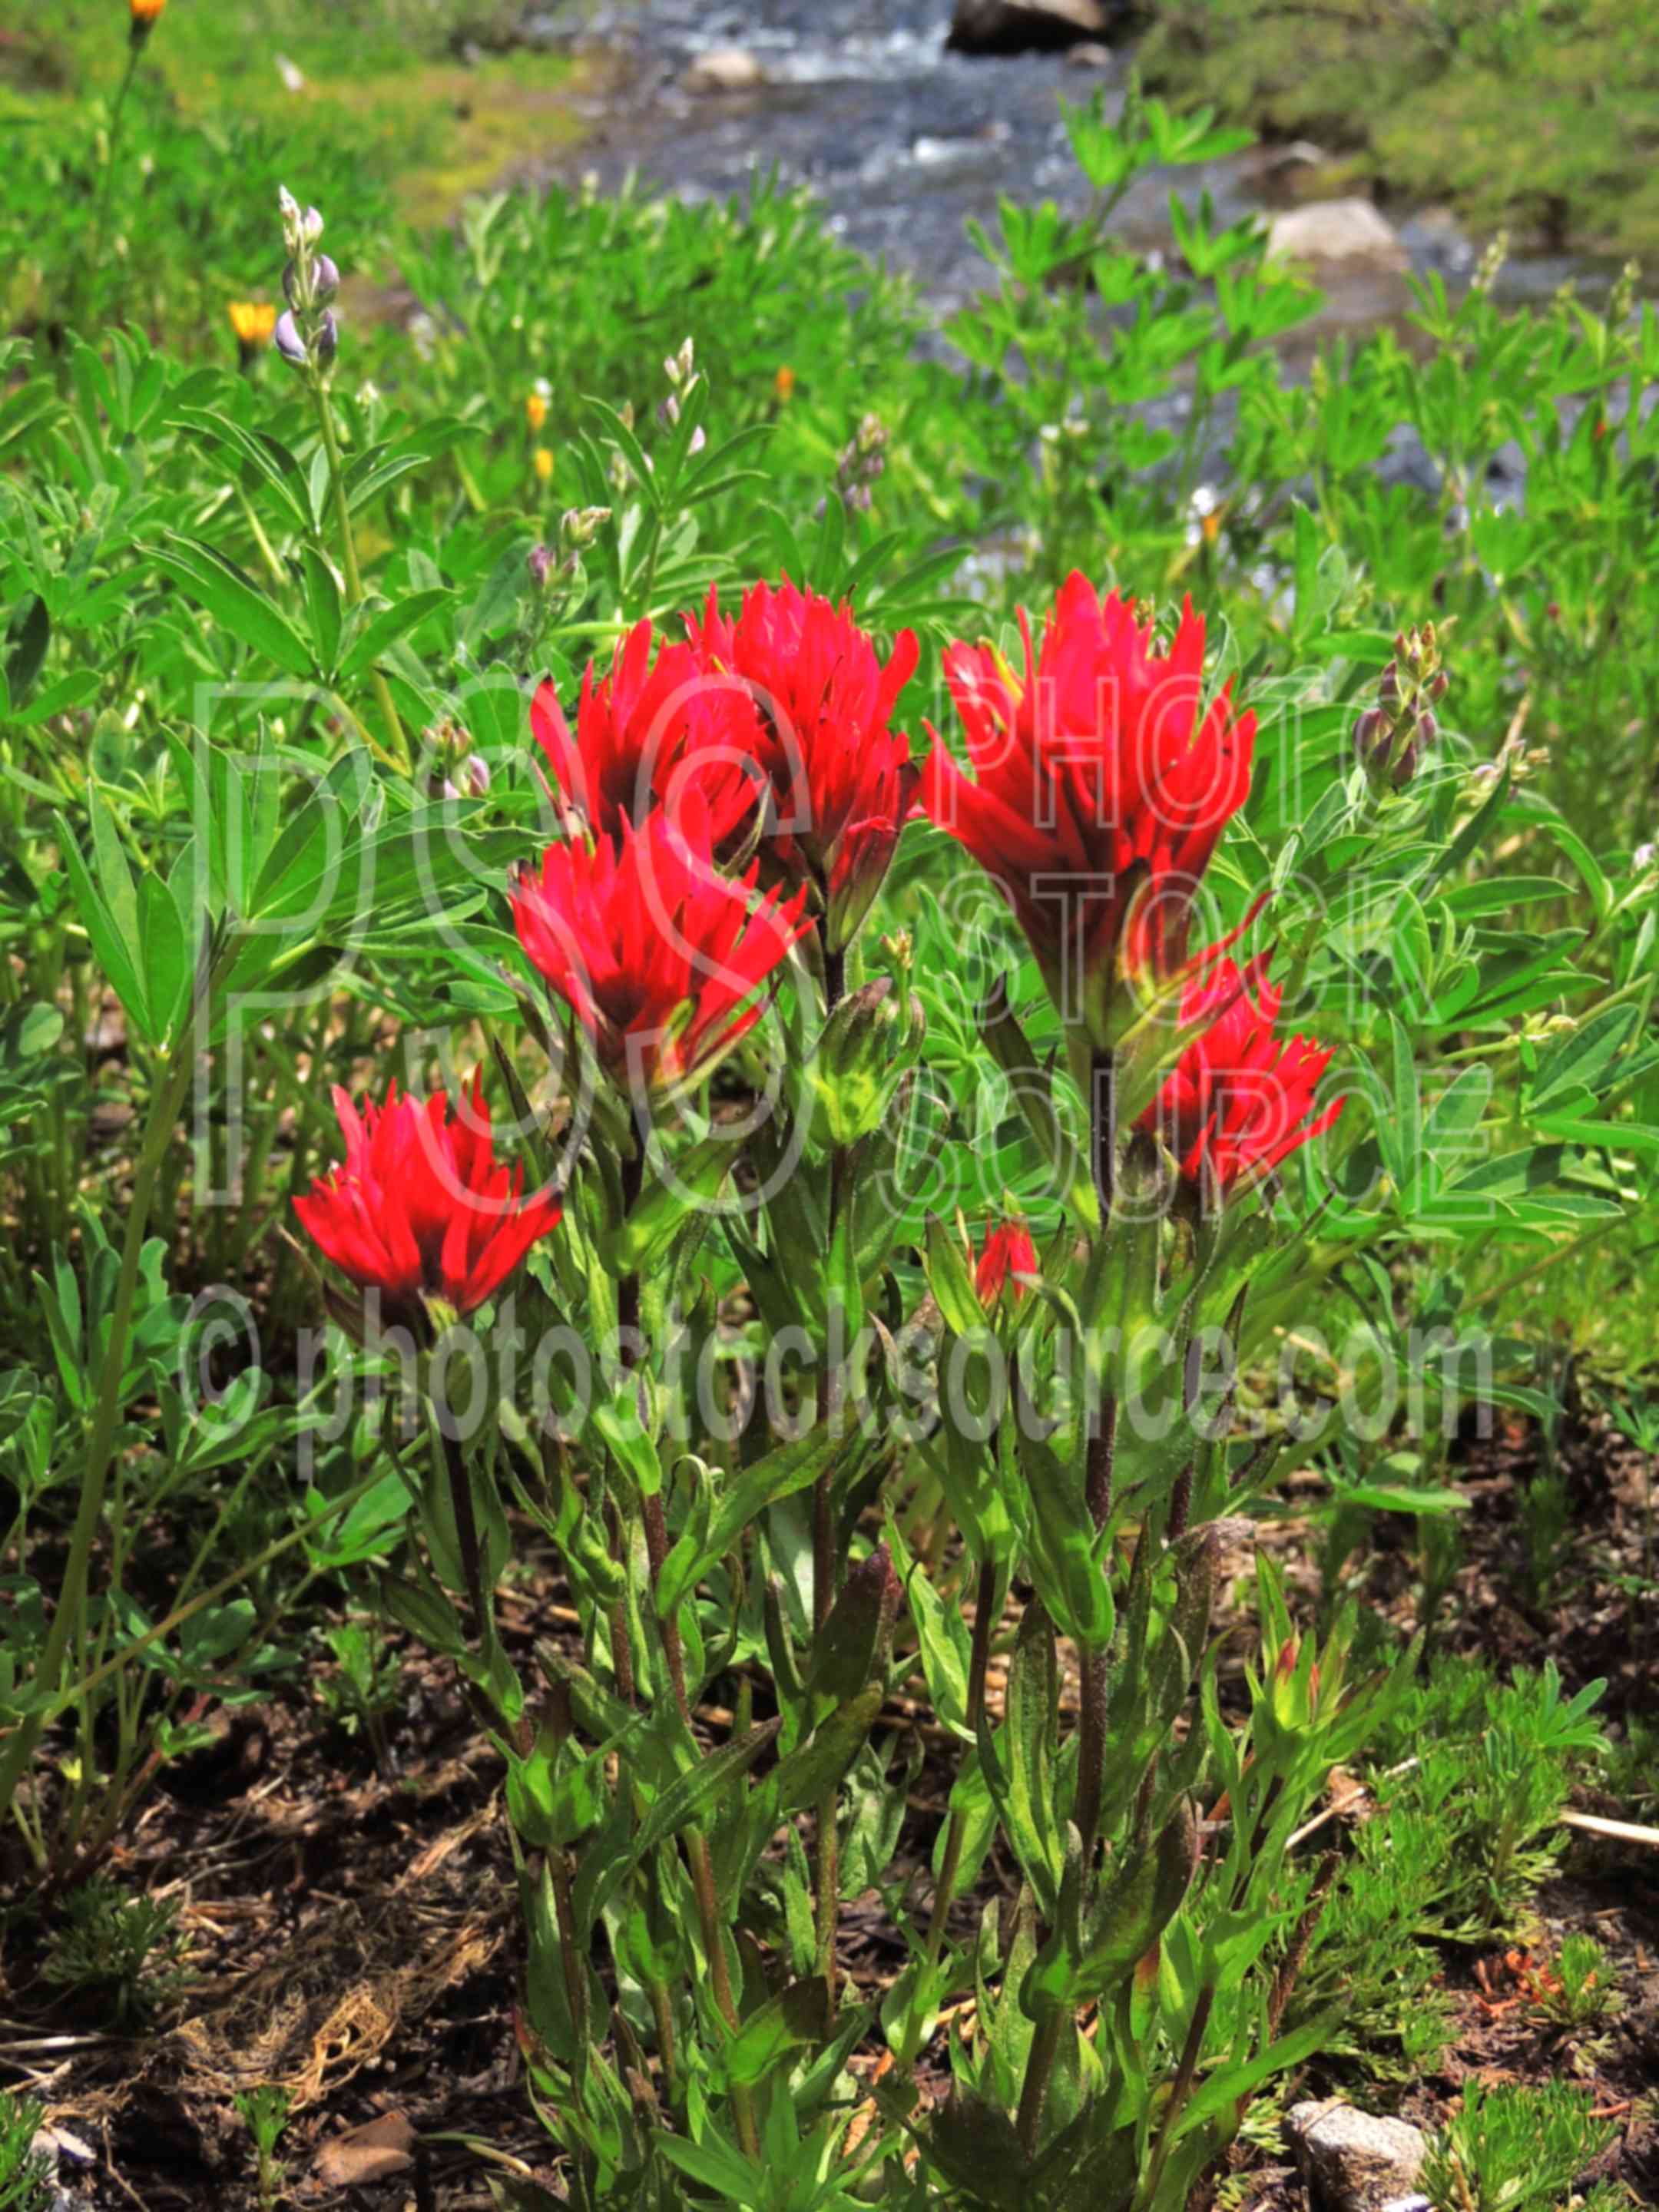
1008	1250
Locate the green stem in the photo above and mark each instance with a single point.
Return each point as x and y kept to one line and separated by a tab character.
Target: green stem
348	562
1039	2065
1180	2089
101	227
466	1537
165	1108
985	1604
656	1544
825	1559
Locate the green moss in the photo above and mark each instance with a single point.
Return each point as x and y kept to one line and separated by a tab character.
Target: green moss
1543	117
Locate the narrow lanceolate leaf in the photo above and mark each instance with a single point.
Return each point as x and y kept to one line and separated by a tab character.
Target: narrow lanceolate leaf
220	587
684	1803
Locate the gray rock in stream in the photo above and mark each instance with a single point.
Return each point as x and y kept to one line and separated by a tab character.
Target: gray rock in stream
1016	27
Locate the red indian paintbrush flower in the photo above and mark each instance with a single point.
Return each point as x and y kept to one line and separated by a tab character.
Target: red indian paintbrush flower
420	1210
1008	1251
1101	779
661	957
842	781
660	724
1240	1099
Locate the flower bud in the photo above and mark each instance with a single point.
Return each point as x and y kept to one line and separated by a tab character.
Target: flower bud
867	1045
286	340
1428	729
1372	731
325	280
580	526
327	340
477	774
539	562
1388	689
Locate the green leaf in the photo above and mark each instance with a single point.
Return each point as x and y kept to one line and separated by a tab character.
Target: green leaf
798	2016
167	956
743	1498
27	637
323	606
385	625
682	1804
116	953
220	587
1577	1058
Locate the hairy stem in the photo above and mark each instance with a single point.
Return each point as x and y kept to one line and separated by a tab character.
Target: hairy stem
656	1544
944	1892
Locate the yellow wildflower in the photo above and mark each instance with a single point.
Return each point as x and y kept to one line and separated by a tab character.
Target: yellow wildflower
253	320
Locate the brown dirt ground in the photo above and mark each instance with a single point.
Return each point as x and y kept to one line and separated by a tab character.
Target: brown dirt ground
351	1926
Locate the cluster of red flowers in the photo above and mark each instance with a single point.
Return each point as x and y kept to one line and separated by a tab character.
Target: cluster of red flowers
725	793
1103	782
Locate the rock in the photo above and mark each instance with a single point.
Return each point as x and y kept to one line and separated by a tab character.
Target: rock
1353	2161
725	69
1018	26
1090	55
1335	230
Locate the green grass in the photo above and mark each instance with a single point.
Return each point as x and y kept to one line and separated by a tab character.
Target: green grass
1541	117
420	95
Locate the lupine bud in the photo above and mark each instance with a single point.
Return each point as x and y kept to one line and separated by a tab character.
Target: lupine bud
447	789
327	341
539	562
1370	731
286	340
477	774
580	526
1388	689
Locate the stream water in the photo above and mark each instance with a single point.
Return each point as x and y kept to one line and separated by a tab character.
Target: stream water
903	140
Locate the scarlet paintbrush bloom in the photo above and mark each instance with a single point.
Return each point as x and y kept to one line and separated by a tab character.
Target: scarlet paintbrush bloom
420	1210
841	782
1008	1251
660	726
1240	1099
661	957
1100	778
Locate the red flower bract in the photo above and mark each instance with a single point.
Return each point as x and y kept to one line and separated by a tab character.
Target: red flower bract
662	726
841	782
658	955
420	1209
1240	1099
1099	775
1008	1250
